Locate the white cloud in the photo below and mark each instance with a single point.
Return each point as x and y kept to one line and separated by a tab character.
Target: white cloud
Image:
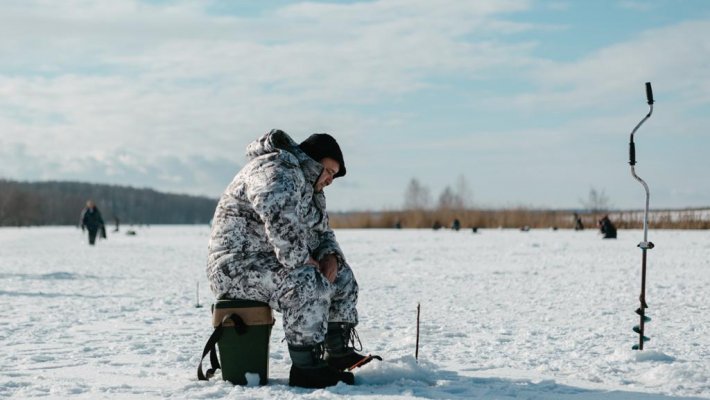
108	77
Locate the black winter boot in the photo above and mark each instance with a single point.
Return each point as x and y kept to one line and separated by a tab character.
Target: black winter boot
341	349
309	370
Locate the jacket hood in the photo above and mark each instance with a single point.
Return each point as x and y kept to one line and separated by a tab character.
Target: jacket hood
278	141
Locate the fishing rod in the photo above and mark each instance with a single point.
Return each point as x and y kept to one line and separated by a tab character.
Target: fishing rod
645	245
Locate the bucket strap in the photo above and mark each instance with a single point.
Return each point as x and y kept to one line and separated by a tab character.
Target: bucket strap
239	326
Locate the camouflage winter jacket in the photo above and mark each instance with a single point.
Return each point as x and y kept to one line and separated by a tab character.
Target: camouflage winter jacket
270	208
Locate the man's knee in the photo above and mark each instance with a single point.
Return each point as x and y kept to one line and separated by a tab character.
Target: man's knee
304	285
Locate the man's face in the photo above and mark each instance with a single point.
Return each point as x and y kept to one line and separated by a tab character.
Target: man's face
330	169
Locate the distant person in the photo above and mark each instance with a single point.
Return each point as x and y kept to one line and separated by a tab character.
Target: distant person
116	220
436	225
607	228
398	225
578	226
271	242
91	220
456	225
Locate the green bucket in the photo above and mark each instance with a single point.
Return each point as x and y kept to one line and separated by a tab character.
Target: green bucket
247	352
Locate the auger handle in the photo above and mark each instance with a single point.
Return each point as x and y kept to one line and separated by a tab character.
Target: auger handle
649	93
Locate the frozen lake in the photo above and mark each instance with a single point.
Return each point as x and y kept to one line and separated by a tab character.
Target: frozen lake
505	314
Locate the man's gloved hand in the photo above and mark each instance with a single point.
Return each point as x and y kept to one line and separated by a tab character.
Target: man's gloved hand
329	267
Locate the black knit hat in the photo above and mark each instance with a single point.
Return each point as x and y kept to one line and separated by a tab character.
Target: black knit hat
321	145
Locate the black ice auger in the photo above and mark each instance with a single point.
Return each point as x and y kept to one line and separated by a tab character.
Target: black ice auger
645	245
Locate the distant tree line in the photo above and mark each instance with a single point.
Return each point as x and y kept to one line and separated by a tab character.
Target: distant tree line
60	203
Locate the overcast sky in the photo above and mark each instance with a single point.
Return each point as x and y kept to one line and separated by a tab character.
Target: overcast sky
531	101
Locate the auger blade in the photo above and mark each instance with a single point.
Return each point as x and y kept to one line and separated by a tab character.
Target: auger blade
637	329
640	312
645	318
636	346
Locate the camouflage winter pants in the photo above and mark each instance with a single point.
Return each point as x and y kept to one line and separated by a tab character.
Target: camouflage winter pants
303	295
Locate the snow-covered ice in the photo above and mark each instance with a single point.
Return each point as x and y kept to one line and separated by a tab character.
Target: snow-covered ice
504	315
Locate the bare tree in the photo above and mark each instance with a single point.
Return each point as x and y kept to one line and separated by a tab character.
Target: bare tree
458	198
417	196
597	201
463	192
448	199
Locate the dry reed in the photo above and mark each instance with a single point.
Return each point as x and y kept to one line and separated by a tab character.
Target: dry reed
519	218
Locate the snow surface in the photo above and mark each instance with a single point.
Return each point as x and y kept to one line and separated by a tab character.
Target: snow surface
505	315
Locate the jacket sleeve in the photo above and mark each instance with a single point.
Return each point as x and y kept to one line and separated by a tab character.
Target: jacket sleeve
274	193
328	245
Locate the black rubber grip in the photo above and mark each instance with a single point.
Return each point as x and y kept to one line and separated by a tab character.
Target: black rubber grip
632	154
649	93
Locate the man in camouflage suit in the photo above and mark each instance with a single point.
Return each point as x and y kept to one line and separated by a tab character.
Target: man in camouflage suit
271	242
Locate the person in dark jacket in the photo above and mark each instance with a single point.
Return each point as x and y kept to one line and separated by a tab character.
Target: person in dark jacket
578	226
607	228
271	242
92	221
